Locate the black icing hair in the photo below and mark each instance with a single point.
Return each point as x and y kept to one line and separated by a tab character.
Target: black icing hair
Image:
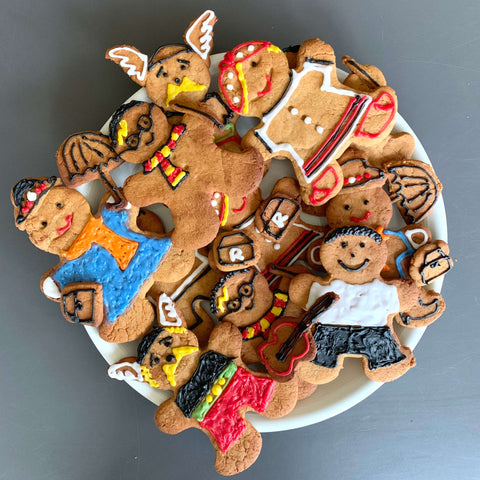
146	343
117	116
152	62
291	49
357	231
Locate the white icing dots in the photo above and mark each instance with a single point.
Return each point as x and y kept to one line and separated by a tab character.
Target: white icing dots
230	75
294	111
229	87
32	196
276	246
351	180
214	203
236	100
239	55
307	120
251	48
216	195
319	129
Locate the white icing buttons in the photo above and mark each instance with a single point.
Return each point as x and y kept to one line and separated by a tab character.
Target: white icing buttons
294	111
239	55
230	75
32	196
236	100
251	48
307	120
229	87
319	129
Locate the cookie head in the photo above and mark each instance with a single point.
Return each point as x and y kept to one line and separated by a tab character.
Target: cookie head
240	297
253	77
53	216
137	130
168	357
370	207
177	73
353	254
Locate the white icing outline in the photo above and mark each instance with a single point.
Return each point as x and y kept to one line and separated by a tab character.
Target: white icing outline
50	288
132	69
113	372
206	39
203	265
326	86
165	302
409	236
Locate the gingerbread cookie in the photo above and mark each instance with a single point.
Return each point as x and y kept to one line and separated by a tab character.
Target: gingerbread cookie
430	262
106	263
311	118
212	390
360	324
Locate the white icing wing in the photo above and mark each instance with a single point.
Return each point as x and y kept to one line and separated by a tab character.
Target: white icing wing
132	61
204	47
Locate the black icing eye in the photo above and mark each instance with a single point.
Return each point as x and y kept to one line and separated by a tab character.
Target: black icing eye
346	207
156	360
144	122
170	358
362	245
183	67
245	290
167	344
44	223
366	202
254	64
59	205
344	244
234	305
165	74
133	141
177	81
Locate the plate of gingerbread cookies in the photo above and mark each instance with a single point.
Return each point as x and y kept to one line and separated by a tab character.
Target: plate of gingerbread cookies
256	230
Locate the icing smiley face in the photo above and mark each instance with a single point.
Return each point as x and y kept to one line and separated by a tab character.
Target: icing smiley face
370	207
167	356
353	254
253	77
57	220
137	130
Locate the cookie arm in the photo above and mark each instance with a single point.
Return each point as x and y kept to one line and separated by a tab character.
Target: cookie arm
300	286
226	339
407	291
170	419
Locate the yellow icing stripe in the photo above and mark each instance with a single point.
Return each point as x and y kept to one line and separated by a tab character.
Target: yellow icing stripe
165	151
122	131
169	170
282	296
178	179
225	210
187	85
251	332
243	83
222	299
276	311
273	48
265	323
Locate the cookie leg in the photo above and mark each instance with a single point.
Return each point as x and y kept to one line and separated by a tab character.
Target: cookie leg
391	371
133	324
316	374
241	454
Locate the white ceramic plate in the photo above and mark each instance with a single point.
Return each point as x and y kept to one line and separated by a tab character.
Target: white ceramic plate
352	386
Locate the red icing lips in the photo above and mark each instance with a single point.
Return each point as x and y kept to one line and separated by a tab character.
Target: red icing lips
68	220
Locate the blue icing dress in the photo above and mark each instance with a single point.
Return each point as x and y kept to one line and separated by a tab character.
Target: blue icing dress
98	265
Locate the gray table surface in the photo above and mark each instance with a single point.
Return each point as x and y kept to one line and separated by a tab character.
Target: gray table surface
61	418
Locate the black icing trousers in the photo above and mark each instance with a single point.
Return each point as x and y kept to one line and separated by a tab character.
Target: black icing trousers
375	343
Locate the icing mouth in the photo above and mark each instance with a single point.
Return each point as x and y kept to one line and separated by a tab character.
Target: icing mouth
359	220
354	268
267	89
68	224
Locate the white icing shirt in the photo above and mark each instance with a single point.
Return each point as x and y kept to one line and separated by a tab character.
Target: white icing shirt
366	305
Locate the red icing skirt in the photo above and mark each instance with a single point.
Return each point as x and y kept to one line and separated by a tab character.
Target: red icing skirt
223	420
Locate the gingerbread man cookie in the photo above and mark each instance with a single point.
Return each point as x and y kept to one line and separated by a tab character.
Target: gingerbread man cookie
106	263
212	390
